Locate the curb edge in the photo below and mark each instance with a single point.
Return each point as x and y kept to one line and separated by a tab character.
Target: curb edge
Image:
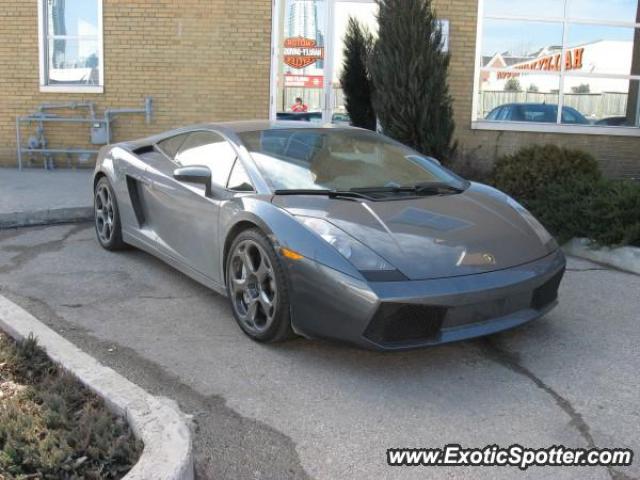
157	421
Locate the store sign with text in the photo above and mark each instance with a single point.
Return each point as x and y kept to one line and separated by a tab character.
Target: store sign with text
300	52
549	63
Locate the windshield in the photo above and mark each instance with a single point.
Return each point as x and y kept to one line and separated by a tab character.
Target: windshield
339	159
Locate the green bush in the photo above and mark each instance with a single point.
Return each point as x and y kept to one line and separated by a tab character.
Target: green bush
527	172
605	211
565	190
55	428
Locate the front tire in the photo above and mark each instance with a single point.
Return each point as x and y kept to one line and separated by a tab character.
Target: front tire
107	216
257	288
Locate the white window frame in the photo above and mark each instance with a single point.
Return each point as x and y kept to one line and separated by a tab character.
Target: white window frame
43	62
481	124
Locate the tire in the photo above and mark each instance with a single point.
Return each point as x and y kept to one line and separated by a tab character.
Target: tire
107	216
257	288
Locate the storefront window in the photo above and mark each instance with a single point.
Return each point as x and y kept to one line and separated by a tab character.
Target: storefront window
559	62
301	60
71	45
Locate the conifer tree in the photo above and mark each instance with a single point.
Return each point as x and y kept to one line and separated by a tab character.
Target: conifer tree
409	70
354	80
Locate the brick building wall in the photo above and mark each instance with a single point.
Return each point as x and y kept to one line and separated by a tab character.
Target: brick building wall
209	60
200	60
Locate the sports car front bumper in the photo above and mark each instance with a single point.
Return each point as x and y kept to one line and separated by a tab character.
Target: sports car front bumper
328	304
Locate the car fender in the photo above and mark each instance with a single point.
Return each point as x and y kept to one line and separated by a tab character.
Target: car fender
283	230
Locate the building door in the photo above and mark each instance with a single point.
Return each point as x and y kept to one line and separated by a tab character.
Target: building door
307	57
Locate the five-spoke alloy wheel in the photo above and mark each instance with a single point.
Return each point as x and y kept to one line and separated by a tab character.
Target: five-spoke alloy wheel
257	288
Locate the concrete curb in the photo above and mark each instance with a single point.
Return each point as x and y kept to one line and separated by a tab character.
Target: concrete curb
158	422
46	217
622	258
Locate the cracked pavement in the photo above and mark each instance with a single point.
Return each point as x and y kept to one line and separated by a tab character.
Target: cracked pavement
309	409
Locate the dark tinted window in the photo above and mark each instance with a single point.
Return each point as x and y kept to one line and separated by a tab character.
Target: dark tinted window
170	146
493	115
569	115
211	150
239	181
536	113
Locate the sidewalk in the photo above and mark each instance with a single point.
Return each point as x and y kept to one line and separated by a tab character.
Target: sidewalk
36	197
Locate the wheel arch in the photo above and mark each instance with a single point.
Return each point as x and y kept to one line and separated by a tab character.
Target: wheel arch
96	178
245	223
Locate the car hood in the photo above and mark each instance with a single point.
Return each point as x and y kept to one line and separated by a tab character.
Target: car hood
480	230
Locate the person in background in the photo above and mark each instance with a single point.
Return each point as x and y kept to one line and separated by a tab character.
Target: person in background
299	106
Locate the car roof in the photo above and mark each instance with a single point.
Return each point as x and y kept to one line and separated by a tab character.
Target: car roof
261	125
235	127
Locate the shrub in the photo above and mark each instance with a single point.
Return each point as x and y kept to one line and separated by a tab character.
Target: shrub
354	80
524	174
409	72
54	427
605	211
468	165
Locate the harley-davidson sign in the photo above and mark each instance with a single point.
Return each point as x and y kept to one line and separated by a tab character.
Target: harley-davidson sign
300	52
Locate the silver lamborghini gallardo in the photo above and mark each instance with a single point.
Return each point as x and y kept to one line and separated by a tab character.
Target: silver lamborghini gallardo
336	233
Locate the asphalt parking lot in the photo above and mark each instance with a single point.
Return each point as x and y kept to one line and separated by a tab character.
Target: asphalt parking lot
309	409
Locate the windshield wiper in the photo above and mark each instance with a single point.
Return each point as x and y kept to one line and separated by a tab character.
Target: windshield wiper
420	189
436	187
328	193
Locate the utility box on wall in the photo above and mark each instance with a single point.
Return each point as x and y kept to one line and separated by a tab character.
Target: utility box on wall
99	133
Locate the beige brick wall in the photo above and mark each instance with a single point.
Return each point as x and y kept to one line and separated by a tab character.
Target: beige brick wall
200	60
618	155
208	60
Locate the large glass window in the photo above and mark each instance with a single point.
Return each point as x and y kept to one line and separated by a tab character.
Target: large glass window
71	44
559	62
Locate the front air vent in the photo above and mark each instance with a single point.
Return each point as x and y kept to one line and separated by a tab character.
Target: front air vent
405	323
144	149
547	293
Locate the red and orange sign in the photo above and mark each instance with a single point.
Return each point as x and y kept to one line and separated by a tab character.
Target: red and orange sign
300	52
550	63
305	81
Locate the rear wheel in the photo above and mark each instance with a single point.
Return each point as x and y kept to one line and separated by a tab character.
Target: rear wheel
257	288
107	216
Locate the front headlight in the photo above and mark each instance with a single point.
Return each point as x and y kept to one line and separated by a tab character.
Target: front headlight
361	256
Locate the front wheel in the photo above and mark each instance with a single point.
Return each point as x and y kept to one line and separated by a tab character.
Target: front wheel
257	288
107	216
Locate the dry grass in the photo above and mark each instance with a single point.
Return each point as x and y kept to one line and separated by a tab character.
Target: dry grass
51	427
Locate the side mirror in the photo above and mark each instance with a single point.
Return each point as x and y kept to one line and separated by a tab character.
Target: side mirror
195	174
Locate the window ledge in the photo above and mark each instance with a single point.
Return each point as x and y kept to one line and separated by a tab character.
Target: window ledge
554	128
70	89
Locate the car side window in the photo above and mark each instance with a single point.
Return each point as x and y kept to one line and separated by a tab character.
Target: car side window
239	181
210	150
570	116
171	145
495	114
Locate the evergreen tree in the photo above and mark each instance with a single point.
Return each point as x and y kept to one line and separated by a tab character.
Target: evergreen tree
512	85
409	75
355	83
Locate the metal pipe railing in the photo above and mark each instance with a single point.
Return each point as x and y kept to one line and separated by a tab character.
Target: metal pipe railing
40	117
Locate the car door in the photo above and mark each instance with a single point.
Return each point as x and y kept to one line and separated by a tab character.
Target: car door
184	218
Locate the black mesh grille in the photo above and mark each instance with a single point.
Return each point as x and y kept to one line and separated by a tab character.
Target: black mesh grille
547	293
404	323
